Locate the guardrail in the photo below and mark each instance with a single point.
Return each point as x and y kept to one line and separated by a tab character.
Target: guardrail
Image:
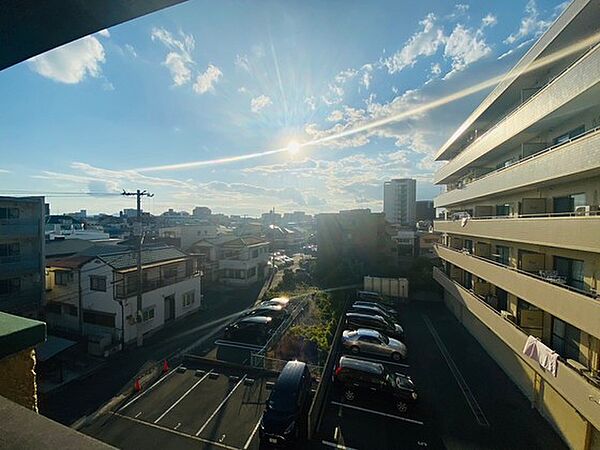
315	413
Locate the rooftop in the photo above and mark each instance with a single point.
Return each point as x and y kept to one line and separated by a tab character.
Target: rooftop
19	333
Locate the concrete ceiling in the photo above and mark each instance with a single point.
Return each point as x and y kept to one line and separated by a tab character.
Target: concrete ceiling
31	27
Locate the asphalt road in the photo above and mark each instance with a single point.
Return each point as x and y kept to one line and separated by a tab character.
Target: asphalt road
217	407
465	400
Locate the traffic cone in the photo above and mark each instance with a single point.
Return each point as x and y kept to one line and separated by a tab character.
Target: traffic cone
165	367
137	386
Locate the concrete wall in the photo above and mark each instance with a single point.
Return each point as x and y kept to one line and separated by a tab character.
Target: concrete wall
18	380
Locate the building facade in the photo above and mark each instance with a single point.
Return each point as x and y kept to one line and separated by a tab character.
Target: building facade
522	256
425	210
95	296
399	201
22	255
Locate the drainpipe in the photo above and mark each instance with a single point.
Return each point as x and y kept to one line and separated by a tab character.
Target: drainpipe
80	302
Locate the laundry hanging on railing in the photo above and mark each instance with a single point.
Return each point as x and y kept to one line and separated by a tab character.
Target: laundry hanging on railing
544	355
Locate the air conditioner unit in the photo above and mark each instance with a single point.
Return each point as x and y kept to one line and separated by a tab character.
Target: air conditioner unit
585	210
507	315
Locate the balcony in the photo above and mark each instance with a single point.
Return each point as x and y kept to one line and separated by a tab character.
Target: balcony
578	157
129	289
573	232
573	82
576	307
574	387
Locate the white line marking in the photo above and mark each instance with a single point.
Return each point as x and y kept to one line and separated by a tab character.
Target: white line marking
138	414
462	384
182	397
382	361
336	432
178	433
372	411
340	446
160	380
177	426
249	441
220	406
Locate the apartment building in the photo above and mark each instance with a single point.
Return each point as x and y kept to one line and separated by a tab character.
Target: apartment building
400	201
521	239
232	260
95	296
22	255
188	234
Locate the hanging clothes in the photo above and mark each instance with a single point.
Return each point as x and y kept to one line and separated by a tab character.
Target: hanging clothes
544	355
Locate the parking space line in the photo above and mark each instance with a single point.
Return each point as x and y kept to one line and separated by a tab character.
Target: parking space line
178	433
379	413
220	406
160	380
249	441
462	384
380	361
183	396
334	445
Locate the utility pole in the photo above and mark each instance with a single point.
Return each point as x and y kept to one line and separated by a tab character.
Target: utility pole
137	233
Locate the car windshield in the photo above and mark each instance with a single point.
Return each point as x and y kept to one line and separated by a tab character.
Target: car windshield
282	401
383	338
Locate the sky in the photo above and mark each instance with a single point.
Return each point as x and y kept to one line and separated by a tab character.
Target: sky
248	106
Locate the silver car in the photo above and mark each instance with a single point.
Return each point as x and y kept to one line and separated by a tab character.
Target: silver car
373	342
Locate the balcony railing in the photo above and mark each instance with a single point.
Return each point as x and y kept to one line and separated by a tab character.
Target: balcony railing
582	371
130	289
550	280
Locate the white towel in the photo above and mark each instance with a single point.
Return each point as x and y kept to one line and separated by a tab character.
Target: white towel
544	355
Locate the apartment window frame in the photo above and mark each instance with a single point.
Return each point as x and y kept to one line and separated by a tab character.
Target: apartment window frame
99	318
565	339
8	249
8	212
188	299
10	286
149	313
63	277
574	278
98	283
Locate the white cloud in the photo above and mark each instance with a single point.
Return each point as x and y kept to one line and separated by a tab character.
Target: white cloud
259	103
423	43
243	90
131	49
205	82
242	62
367	75
311	103
489	20
5	171
72	62
435	69
465	46
179	60
104	33
335	116
531	24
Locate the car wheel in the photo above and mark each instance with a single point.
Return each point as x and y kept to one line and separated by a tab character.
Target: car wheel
401	406
396	356
349	395
355	350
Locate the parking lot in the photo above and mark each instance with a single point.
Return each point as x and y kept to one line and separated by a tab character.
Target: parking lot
204	405
465	400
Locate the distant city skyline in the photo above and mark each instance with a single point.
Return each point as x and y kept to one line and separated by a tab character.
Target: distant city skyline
213	104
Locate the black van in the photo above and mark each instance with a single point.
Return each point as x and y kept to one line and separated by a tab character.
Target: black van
252	330
287	406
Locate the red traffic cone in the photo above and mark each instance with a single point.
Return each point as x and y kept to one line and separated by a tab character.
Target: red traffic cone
137	386
165	367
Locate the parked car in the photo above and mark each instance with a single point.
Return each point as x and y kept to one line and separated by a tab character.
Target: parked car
277	312
287	406
370	296
252	330
373	342
283	301
356	320
358	377
388	309
374	310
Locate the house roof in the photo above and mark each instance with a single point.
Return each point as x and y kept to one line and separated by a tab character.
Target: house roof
230	241
65	247
72	262
125	260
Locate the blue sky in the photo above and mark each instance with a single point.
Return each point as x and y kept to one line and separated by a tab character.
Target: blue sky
168	101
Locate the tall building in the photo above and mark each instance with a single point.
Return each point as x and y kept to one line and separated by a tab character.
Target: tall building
22	255
425	210
522	257
399	201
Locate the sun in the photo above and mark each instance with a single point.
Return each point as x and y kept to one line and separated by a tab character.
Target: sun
293	147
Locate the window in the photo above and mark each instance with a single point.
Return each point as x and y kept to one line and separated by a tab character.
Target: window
571	270
10	286
99	318
148	314
569	135
502	254
170	272
254	253
10	249
189	298
97	283
63	277
565	340
251	272
9	213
